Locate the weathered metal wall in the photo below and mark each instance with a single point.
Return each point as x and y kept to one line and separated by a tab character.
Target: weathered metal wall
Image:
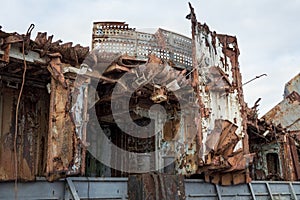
50	142
276	160
223	142
292	85
61	131
32	133
67	129
173	71
277	134
211	137
287	113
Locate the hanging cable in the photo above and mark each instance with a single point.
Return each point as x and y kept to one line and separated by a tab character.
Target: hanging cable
17	110
256	77
16	122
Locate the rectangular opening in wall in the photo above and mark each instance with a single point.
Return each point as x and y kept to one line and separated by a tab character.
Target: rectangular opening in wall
273	166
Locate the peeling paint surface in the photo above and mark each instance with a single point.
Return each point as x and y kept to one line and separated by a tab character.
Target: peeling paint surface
201	123
292	86
286	113
47	142
223	142
223	123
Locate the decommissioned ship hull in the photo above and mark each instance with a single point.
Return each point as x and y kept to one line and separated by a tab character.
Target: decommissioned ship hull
58	119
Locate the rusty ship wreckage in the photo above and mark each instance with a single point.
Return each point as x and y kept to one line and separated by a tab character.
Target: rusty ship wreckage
55	99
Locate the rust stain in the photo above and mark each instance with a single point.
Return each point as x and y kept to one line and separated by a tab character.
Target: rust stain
230	139
156	186
62	139
32	119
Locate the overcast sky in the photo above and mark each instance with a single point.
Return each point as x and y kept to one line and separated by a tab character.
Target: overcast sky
268	31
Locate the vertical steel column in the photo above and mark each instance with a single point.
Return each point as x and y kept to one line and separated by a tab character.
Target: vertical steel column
49	167
85	118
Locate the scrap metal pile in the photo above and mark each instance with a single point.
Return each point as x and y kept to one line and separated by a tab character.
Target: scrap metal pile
206	126
275	137
174	101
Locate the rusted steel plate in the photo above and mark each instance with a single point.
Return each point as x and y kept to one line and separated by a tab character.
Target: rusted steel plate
295	158
218	82
215	92
73	55
156	187
276	159
62	139
286	113
292	86
32	133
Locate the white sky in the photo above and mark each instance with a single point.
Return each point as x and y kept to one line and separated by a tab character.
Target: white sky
268	31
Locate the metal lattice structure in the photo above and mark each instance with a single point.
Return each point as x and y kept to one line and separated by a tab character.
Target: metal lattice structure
118	37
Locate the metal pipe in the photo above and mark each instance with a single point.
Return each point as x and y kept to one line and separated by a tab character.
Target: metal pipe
254	79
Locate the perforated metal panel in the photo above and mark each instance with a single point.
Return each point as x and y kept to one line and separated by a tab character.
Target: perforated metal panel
117	37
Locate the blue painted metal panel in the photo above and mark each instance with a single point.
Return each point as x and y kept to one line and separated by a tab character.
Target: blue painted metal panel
116	188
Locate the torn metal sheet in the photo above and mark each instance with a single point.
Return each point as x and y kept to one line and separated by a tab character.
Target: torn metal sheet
42	45
67	130
216	96
51	142
221	96
80	119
